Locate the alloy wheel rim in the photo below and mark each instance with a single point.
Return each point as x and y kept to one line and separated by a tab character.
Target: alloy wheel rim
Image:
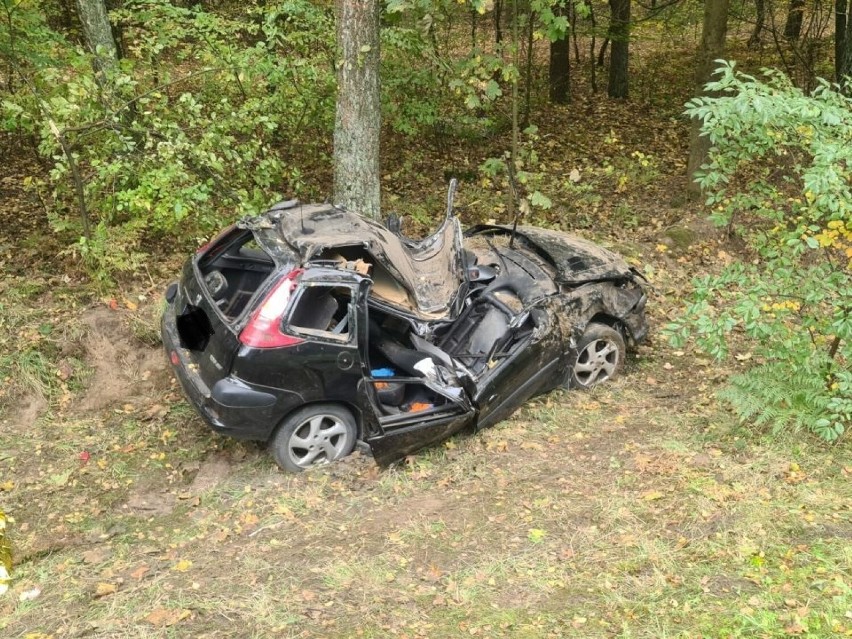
318	440
597	362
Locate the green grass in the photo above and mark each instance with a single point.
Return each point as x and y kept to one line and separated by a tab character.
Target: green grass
637	511
547	525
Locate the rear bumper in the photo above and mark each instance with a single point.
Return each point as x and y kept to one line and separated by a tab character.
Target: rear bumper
231	406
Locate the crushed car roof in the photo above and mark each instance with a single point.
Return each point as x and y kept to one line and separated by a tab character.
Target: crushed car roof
430	271
576	260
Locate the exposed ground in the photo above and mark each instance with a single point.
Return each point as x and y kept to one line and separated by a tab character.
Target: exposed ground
638	510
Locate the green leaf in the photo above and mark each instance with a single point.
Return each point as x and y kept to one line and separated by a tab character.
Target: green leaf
540	201
493	90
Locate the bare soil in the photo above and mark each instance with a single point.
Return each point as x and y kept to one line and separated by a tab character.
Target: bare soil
122	369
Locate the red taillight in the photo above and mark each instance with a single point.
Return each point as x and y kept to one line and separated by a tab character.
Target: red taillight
264	328
174	358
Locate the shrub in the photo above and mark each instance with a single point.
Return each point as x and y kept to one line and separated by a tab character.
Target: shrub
197	124
780	175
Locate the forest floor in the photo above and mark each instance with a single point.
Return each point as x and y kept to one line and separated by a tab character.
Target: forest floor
637	510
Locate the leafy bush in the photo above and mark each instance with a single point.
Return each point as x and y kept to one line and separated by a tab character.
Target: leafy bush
780	175
198	123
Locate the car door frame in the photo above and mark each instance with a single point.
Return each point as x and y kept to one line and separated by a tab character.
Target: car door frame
531	369
392	437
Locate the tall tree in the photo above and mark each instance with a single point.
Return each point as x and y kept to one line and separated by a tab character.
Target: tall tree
842	44
358	118
98	32
619	48
560	65
712	47
756	36
795	18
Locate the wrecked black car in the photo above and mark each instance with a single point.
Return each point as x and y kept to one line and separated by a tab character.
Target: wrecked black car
312	328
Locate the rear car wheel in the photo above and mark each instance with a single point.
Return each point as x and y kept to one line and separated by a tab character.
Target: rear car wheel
599	356
313	435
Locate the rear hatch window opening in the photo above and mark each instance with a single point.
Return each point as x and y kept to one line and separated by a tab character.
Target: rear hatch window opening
231	270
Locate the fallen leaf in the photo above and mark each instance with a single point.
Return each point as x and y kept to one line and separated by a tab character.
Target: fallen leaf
29	595
183	565
140	572
104	589
164	617
536	535
96	555
652	495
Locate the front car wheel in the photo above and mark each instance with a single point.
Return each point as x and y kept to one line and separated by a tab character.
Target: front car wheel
599	356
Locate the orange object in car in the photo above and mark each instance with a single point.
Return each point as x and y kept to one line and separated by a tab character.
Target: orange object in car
416	407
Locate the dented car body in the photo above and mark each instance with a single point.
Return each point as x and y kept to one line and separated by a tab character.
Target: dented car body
313	328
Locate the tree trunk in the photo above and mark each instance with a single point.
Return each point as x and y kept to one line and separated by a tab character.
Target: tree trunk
98	32
759	22
528	79
592	72
604	47
712	48
572	20
560	71
619	49
358	119
795	15
842	43
498	22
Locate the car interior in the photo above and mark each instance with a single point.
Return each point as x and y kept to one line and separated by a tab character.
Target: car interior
233	269
322	309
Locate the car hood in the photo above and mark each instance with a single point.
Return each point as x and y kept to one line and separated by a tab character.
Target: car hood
430	271
576	260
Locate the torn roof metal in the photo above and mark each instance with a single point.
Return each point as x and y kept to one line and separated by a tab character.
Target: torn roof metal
429	271
576	260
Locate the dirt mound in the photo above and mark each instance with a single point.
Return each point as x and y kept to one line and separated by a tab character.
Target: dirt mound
24	414
123	367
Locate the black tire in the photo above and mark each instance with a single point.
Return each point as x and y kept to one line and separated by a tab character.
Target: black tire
313	435
599	357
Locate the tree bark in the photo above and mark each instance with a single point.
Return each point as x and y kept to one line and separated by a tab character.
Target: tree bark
759	22
560	71
842	43
98	32
795	15
528	80
602	51
712	48
498	21
619	49
358	118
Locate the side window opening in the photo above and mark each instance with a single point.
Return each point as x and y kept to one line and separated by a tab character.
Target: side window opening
324	310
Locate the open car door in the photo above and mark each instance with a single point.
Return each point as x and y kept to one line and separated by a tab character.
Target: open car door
404	414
